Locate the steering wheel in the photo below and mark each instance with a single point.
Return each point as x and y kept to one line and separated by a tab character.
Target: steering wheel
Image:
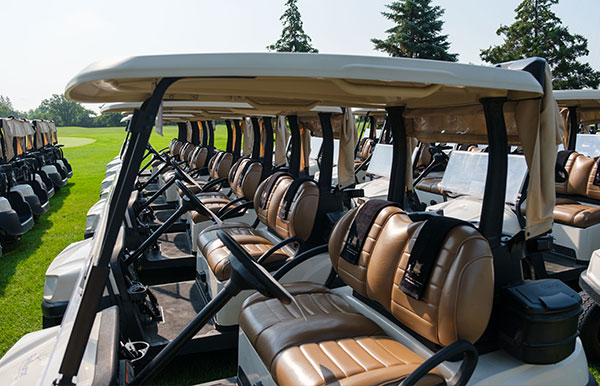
263	281
194	199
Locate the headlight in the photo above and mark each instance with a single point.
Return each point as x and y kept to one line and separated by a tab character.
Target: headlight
50	287
90	222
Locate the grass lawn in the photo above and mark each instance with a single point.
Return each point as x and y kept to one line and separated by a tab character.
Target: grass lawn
23	264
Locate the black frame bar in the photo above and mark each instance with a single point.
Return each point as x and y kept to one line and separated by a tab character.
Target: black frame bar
573	127
296	142
396	191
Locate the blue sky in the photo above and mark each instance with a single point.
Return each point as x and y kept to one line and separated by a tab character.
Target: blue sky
47	42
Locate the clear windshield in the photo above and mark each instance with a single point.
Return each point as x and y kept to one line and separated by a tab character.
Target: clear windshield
315	147
588	144
466	173
381	161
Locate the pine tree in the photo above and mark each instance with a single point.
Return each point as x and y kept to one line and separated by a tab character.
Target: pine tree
293	38
417	33
537	31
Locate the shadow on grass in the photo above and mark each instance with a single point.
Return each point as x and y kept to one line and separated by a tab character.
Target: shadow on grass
17	250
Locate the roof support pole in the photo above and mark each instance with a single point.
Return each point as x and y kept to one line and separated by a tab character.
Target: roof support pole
229	146
204	134
296	145
195	133
237	147
211	138
573	127
326	153
268	146
395	122
373	127
494	196
256	139
141	126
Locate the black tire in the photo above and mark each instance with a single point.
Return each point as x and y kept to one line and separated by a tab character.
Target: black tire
589	328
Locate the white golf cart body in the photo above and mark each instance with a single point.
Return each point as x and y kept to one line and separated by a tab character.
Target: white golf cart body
581	241
342	80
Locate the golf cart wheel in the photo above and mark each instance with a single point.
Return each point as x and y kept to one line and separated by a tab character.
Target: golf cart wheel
589	328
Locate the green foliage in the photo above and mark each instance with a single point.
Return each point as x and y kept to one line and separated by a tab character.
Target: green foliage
537	31
108	120
7	109
66	113
417	33
293	38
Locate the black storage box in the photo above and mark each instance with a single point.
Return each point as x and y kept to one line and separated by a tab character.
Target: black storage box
538	320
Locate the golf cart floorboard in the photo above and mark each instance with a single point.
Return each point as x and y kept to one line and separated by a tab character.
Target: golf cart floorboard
563	268
174	252
180	302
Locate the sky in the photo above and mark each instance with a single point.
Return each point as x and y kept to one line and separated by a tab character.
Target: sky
46	43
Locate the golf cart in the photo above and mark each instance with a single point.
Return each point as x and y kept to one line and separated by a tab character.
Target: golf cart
17	139
475	320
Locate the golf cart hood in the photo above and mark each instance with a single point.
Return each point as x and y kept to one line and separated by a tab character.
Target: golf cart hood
62	274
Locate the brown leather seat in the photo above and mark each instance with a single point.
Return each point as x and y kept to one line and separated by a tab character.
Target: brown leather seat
581	172
431	183
333	343
299	222
218	167
365	149
244	178
174	149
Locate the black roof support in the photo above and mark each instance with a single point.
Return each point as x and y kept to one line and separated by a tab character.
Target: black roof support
395	122
296	145
229	146
573	127
237	146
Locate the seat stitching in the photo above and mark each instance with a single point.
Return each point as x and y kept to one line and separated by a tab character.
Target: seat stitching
329	297
353	357
336	362
314	365
400	360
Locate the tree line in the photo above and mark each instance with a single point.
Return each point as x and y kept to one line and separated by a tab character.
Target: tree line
62	111
417	33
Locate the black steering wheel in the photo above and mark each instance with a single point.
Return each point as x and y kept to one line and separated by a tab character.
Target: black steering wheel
194	199
264	282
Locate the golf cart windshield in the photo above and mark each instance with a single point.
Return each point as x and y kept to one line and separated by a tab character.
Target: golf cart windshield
466	174
381	161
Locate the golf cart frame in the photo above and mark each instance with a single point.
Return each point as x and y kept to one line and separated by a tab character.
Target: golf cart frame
64	363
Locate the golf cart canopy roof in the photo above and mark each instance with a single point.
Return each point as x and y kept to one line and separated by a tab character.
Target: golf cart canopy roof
441	101
302	79
586	102
18	136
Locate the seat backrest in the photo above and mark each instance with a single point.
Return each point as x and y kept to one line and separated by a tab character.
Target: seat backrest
457	301
220	164
176	149
581	173
244	177
365	148
299	218
186	152
199	158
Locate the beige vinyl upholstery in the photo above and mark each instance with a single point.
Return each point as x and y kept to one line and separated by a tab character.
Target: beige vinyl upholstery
326	341
299	222
581	171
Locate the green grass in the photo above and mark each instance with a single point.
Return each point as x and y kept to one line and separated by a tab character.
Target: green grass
24	262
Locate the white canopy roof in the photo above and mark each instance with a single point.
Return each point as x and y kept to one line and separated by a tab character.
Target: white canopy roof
303	79
179	106
578	98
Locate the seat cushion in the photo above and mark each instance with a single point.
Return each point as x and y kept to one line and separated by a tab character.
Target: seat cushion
362	360
252	240
318	314
571	212
430	184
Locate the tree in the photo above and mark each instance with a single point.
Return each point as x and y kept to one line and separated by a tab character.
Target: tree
65	112
108	120
7	109
537	31
417	33
293	38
